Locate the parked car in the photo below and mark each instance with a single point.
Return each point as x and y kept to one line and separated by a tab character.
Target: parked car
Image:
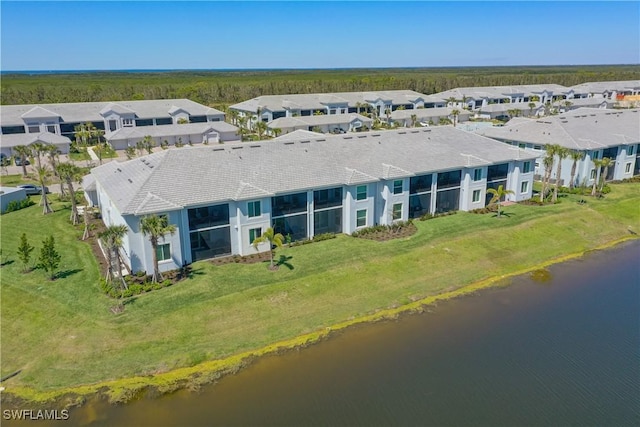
18	161
33	190
4	160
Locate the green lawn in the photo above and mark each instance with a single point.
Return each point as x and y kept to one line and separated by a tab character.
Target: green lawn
62	334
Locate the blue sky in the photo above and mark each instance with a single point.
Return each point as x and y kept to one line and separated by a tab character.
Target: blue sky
74	35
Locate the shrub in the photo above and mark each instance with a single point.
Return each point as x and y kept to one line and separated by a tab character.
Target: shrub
323	236
16	205
437	215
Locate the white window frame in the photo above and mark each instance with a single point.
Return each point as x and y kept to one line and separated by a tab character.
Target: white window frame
251	209
258	231
477	174
358	218
475	193
524	187
158	249
393	212
401	186
627	167
358	192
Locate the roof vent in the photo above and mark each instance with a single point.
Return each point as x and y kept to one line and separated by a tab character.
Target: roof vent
415	131
255	146
320	140
402	133
236	148
305	142
347	137
119	170
288	143
218	149
375	134
129	179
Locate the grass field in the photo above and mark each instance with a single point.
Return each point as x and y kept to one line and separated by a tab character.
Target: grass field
62	334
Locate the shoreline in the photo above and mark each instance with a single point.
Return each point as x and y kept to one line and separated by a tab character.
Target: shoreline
126	389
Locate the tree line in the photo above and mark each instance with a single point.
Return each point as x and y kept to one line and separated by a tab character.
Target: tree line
221	88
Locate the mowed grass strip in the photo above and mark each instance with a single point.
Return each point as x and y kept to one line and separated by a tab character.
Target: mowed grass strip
61	334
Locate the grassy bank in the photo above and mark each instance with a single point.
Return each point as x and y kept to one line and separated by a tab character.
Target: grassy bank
62	335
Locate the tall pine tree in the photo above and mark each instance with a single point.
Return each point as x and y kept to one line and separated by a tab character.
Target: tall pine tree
49	257
24	252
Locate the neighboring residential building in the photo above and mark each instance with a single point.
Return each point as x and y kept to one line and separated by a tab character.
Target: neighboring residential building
8	142
613	91
332	123
11	194
272	107
222	197
428	116
480	97
596	133
190	133
565	105
510	110
155	116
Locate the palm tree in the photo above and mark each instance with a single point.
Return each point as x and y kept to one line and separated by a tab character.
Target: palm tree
148	143
513	112
53	154
82	136
112	240
606	164
271	237
531	105
276	131
562	153
598	164
548	162
43	174
451	100
387	113
23	152
455	113
261	128
156	227
498	194
414	120
70	173
38	149
576	156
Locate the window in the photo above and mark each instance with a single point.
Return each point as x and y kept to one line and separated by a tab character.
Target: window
593	174
477	174
537	147
627	168
51	128
361	192
522	145
524	186
361	218
254	233
537	165
254	209
449	179
327	198
127	122
397	211
497	171
397	186
420	184
476	196
526	167
34	129
163	252
594	155
630	150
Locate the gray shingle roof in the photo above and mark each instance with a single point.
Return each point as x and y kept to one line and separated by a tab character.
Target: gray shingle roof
91	111
601	87
169	130
207	175
297	135
15	139
315	101
581	129
501	91
324	119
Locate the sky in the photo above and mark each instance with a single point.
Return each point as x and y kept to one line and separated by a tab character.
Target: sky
111	35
